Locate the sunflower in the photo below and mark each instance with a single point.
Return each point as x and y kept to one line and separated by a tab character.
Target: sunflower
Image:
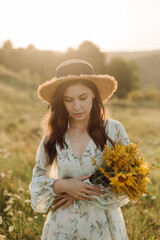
124	170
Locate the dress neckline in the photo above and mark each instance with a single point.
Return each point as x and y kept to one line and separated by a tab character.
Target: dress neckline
68	141
85	149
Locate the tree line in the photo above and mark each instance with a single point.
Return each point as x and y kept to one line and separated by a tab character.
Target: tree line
44	63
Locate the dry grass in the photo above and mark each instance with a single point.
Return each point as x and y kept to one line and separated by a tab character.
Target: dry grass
20	132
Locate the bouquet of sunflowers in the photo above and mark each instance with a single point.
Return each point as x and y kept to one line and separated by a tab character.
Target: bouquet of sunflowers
124	170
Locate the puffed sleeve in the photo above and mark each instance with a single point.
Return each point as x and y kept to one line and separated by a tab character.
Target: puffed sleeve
120	134
41	186
109	200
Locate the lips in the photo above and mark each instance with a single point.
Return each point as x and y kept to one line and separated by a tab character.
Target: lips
77	114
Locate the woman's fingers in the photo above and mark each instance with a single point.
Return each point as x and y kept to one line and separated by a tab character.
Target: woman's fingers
64	200
84	198
94	193
59	203
56	200
67	204
77	189
94	188
84	195
88	194
83	177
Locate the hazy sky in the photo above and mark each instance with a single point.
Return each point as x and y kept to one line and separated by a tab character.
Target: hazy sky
113	25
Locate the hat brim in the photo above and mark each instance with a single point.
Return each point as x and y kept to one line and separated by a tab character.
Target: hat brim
106	86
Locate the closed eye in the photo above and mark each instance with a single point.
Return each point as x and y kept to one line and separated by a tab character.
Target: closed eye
67	100
83	98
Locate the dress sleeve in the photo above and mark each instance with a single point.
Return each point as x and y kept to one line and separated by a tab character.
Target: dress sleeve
41	186
109	199
121	135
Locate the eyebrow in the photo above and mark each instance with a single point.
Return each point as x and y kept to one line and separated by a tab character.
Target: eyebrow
78	96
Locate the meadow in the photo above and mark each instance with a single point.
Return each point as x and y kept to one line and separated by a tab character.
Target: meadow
20	132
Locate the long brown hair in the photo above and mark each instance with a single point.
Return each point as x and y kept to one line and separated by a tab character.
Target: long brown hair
55	122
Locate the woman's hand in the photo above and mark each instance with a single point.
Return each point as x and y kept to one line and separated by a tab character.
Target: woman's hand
77	188
64	199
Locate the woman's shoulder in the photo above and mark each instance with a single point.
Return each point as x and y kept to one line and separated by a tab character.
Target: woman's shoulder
116	130
112	123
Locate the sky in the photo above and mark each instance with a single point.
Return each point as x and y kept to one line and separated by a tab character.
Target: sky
112	25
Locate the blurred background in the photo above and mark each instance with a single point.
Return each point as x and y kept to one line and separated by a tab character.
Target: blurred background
119	38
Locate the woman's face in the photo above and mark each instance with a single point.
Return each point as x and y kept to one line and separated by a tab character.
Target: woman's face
78	100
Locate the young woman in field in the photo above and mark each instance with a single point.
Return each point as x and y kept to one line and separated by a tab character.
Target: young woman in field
76	129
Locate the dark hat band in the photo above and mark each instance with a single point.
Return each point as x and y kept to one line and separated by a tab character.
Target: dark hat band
74	68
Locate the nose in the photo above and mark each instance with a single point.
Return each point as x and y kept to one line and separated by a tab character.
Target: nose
76	105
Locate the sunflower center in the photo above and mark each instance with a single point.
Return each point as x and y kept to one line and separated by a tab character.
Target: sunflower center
122	179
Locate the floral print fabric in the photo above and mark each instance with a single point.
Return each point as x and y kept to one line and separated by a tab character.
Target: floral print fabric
100	218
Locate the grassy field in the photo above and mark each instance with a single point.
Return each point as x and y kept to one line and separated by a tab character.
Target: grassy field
20	132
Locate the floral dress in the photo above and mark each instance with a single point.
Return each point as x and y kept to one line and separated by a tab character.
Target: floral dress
97	219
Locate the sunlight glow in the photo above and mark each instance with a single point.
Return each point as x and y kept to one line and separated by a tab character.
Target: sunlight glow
59	24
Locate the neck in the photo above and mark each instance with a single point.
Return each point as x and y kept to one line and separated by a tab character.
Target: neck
79	124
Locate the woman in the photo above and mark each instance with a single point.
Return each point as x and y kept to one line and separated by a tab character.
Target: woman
76	129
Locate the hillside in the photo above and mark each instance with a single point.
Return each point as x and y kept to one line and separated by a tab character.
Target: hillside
148	63
35	65
20	131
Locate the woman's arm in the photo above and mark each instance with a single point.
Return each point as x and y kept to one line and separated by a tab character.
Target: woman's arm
74	189
41	186
44	190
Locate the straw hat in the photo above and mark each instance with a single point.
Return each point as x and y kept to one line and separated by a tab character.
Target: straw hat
73	70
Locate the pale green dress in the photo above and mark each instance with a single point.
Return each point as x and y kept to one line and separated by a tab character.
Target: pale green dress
98	219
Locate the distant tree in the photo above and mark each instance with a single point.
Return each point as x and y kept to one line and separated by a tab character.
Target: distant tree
7	45
5	52
126	73
43	63
69	54
91	53
135	75
31	59
31	47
